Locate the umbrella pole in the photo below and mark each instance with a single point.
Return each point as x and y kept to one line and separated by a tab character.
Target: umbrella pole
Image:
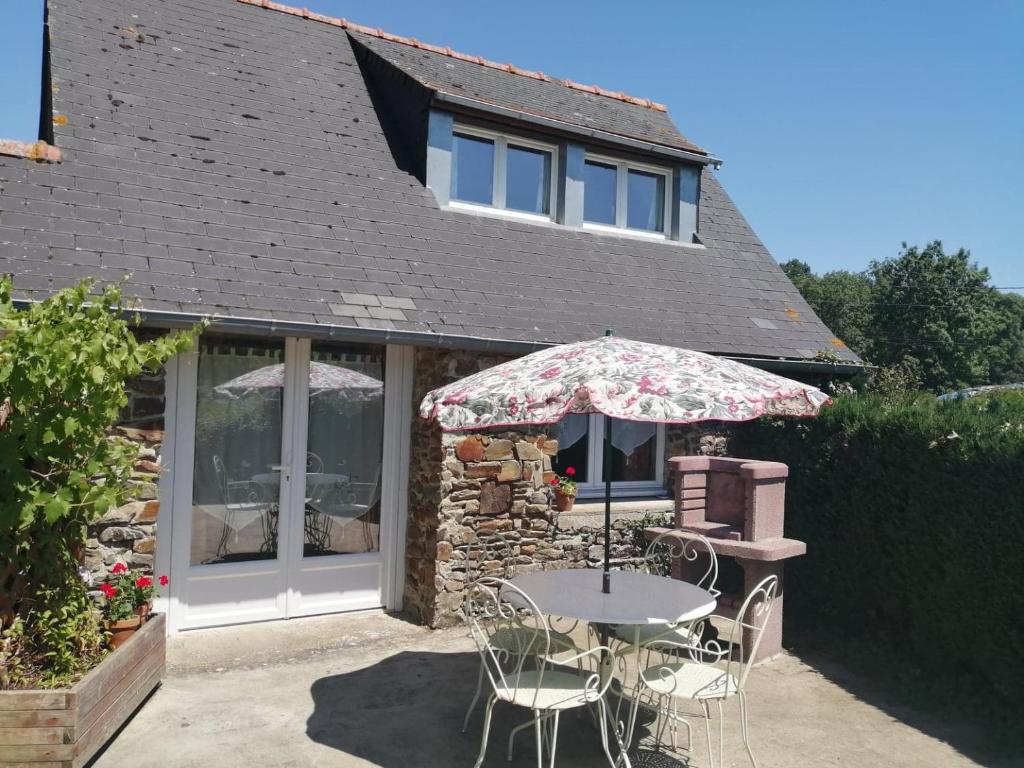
606	585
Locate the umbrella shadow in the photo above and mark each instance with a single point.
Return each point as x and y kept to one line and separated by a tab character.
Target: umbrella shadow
407	710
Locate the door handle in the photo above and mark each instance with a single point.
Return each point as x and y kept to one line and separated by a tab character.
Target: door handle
286	471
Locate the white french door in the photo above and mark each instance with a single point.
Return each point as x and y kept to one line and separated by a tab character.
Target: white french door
287	493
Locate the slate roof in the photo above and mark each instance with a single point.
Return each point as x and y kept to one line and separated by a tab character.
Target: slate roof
226	159
544	98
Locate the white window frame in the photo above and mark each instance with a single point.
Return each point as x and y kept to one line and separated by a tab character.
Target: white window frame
594	487
498	174
622	168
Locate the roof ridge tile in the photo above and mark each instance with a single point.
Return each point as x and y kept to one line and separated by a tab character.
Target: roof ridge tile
30	150
412	42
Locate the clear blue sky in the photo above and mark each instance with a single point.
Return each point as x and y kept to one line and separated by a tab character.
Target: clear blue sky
846	127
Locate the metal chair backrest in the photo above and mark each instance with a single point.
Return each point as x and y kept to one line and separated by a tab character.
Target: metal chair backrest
511	635
493	555
220	472
313	462
747	629
669	552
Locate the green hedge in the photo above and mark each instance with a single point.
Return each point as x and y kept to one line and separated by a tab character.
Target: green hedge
913	513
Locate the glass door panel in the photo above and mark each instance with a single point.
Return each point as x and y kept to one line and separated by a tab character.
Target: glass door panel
236	484
344	450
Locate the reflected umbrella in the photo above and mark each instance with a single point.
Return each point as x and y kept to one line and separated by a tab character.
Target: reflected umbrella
343	383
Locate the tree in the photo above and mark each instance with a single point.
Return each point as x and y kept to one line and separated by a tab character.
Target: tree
1007	359
936	313
843	300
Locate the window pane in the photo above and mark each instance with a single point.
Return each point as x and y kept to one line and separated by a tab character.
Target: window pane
527	180
573	446
599	193
634	451
472	169
344	449
645	205
235	488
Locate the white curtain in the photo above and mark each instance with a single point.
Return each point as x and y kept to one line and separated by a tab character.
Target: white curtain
627	436
572	429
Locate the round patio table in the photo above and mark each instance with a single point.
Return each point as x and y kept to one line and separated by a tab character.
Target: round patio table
635	599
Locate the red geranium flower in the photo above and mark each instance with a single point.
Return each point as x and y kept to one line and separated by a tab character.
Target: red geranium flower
119	568
554	480
163	581
570	471
108	590
143	581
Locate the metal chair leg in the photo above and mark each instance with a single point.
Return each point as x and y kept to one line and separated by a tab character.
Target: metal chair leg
476	696
515	732
707	728
745	728
554	739
614	763
487	730
537	728
721	735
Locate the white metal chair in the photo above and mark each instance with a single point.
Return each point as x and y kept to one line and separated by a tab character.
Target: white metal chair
514	641
236	496
665	556
703	682
497	556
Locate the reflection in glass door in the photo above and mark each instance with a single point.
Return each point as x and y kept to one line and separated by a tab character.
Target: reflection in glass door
236	481
344	449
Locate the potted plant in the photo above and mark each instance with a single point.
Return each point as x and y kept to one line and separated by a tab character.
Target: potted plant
565	489
119	611
128	602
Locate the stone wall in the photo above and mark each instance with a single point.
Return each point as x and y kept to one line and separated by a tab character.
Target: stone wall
708	438
127	533
465	487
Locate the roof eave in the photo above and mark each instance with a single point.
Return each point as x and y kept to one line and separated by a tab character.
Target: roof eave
263	327
479	105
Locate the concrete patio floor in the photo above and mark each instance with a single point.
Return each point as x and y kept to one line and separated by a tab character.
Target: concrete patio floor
374	690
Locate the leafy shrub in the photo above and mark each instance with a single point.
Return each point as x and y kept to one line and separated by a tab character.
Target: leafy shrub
64	363
913	514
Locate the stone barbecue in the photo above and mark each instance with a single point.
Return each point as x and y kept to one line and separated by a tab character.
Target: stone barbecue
739	504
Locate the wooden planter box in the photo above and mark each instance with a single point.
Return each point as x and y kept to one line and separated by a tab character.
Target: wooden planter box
64	728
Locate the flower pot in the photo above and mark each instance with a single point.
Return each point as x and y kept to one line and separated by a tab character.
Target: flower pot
121	630
143	611
564	503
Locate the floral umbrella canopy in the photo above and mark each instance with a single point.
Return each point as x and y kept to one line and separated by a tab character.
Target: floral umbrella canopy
342	382
620	378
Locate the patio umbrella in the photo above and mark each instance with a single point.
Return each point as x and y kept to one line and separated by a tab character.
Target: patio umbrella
620	378
342	382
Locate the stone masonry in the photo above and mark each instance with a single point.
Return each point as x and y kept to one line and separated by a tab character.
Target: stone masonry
127	533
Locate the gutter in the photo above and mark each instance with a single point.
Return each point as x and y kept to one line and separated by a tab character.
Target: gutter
594	133
816	367
250	326
259	327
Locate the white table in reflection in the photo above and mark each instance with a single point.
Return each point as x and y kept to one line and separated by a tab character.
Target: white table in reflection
329	500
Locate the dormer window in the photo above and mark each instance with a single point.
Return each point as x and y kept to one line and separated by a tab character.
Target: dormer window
625	195
485	169
500	171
